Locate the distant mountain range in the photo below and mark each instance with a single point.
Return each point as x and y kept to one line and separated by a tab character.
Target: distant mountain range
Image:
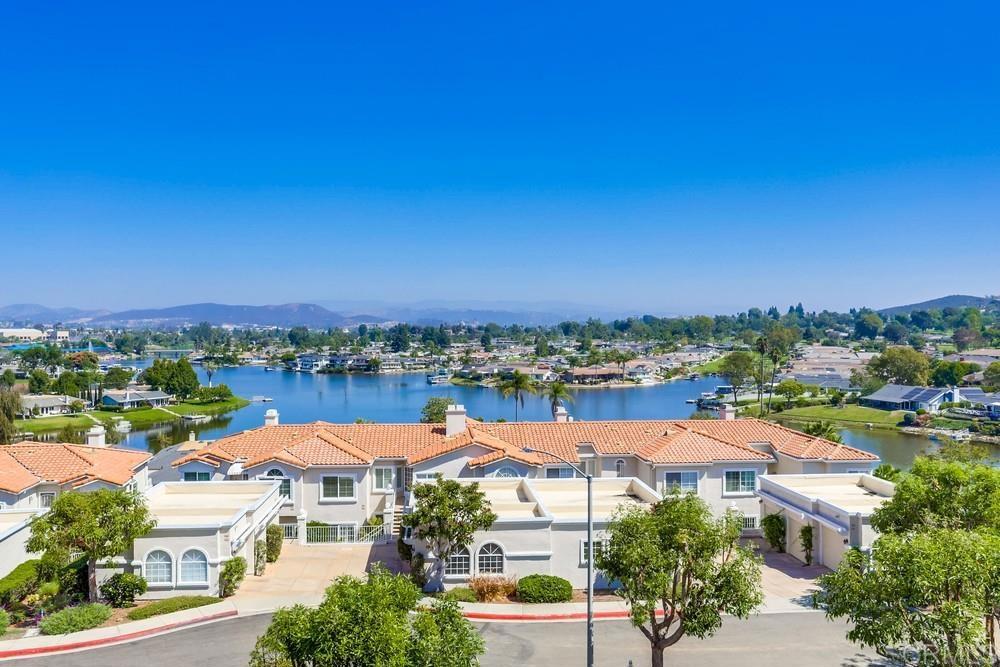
433	312
33	312
283	315
951	301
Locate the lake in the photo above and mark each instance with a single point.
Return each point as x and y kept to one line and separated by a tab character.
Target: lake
302	397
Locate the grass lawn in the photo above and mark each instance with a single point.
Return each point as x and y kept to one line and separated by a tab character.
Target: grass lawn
711	367
851	415
140	418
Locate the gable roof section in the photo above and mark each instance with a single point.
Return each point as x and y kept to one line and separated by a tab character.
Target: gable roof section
29	463
687	445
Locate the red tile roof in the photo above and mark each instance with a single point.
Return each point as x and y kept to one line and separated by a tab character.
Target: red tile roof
29	463
655	441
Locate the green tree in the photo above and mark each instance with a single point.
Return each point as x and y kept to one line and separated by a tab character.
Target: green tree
10	408
558	394
98	524
434	410
925	598
374	621
900	365
823	429
737	368
868	325
446	515
681	561
117	378
209	367
950	373
7	379
790	389
517	385
888	472
38	382
991	376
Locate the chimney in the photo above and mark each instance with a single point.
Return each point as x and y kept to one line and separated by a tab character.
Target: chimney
95	436
271	417
956	395
454	420
192	436
561	414
727	412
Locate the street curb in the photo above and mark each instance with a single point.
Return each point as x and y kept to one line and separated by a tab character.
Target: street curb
571	616
117	639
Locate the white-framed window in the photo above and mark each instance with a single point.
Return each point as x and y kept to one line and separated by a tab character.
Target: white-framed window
383	479
599	545
194	567
46	499
620	468
426	477
337	487
740	481
286	484
506	471
490	559
197	476
459	563
561	472
159	567
680	481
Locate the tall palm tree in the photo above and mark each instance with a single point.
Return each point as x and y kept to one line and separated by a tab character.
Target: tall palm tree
761	346
775	356
517	385
210	368
557	393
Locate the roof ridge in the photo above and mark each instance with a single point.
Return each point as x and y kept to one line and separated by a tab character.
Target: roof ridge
335	440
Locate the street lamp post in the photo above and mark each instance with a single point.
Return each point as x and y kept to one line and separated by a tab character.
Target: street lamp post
590	549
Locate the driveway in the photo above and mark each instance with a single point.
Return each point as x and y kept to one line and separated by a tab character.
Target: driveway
788	584
302	573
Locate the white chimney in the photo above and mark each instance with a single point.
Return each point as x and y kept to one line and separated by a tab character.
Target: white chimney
561	414
192	436
956	395
454	420
727	412
95	436
271	417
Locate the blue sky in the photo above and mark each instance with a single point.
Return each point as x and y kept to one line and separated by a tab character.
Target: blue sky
637	156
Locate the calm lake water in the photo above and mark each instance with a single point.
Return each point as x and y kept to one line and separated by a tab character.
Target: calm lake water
301	397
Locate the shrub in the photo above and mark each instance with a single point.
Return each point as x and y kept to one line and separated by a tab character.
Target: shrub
404	550
75	619
493	587
233	572
259	557
374	520
774	531
4	622
168	605
275	538
544	588
22	581
418	571
806	542
122	588
461	594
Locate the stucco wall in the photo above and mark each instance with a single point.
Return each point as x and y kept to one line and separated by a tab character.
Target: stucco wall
12	551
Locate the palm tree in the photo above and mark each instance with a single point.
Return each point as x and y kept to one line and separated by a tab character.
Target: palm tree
557	393
761	346
775	356
823	429
517	385
210	368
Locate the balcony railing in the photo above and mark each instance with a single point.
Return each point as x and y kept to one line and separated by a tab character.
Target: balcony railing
749	522
291	530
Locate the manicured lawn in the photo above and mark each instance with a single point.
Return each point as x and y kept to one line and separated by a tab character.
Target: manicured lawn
851	414
711	367
141	418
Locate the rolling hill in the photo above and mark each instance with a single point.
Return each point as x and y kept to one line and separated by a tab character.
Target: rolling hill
283	315
950	301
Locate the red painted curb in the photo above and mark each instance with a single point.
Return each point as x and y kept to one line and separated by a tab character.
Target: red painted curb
104	641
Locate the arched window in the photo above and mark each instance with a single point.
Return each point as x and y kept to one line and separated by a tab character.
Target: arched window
620	467
459	563
506	471
490	559
286	484
194	567
159	567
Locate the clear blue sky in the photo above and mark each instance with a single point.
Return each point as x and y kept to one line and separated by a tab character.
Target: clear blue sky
629	155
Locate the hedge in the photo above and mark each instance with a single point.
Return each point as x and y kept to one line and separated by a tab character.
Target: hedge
275	537
75	619
168	605
544	588
233	572
459	595
22	581
122	588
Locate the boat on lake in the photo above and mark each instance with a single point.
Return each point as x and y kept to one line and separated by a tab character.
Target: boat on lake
442	376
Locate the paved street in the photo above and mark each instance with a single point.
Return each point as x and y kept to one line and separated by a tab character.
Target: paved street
804	639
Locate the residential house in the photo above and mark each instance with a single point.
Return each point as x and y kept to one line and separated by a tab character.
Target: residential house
908	397
44	405
838	507
135	398
345	474
14	533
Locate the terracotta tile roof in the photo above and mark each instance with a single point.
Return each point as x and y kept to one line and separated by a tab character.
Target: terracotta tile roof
29	463
656	441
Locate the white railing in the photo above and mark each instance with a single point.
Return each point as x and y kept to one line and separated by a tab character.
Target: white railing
291	530
345	534
749	522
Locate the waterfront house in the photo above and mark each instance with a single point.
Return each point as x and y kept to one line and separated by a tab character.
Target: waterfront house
908	397
344	475
127	399
838	507
44	405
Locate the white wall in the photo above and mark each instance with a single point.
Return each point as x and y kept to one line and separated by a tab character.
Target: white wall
12	549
